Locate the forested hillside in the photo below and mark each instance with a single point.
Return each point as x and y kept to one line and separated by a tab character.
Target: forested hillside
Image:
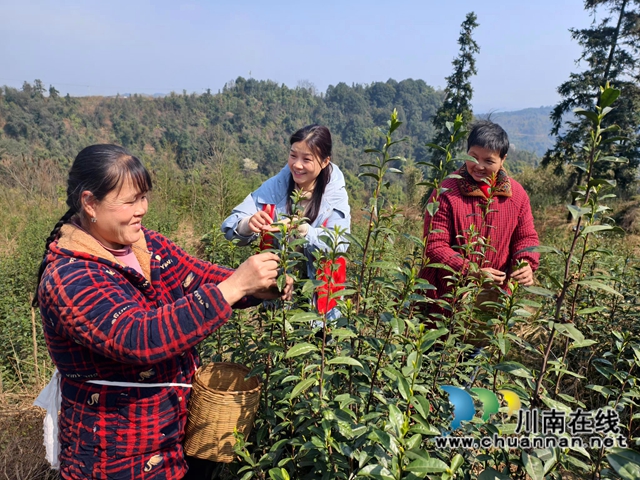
528	129
249	118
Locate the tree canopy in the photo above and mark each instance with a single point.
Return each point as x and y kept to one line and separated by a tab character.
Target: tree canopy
611	51
253	118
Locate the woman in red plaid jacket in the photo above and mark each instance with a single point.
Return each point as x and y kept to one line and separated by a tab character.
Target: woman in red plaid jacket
508	227
123	308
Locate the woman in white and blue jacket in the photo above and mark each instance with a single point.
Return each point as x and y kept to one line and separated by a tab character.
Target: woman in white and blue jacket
310	171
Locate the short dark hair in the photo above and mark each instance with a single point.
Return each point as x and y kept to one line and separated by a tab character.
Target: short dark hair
489	135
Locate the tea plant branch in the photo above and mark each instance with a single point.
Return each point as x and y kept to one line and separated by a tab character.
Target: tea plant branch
441	171
572	312
607	97
380	169
322	359
616	300
374	374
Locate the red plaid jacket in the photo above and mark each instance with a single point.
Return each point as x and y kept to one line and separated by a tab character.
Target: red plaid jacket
509	227
105	321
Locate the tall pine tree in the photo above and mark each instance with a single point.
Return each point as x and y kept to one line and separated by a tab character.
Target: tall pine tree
458	92
611	51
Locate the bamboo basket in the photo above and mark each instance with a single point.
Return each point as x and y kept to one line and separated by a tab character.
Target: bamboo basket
221	401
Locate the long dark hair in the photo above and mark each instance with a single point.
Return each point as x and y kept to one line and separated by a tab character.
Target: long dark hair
99	169
318	139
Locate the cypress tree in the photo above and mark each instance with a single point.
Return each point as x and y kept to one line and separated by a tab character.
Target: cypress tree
611	51
458	92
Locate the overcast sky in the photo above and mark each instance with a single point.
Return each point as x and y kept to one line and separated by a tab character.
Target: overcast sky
141	46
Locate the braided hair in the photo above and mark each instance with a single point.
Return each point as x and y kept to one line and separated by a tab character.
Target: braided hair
99	169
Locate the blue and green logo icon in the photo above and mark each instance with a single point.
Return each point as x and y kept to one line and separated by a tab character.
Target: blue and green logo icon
464	408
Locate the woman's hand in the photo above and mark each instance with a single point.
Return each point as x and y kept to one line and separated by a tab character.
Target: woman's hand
524	276
256	276
496	275
261	222
273	292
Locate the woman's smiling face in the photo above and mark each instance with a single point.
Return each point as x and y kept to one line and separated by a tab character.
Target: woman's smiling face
118	216
489	163
305	165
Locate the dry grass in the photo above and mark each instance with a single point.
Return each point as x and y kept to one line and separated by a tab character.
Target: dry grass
186	236
628	217
550	219
22	453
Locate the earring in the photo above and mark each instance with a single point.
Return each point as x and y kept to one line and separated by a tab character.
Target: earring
94	219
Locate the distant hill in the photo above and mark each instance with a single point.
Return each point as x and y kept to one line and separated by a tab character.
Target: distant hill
528	129
248	119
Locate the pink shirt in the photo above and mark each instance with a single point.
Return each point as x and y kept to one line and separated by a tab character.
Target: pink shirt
125	256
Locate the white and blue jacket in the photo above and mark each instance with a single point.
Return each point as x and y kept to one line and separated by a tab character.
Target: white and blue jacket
334	210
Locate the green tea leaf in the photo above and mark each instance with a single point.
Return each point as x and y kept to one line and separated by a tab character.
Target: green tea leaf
592	116
463	157
608	96
344	361
343	333
491	474
540	291
533	465
301	387
625	462
278	474
613	159
304	318
384	439
421	405
436	147
514	368
368	174
456	463
403	387
589	310
396	418
433	207
577	212
301	349
376	471
569	330
596	228
598	286
432	465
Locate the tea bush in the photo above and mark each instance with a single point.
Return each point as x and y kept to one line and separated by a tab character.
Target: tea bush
361	396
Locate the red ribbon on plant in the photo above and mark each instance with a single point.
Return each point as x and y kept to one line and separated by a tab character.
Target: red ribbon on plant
266	239
338	276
